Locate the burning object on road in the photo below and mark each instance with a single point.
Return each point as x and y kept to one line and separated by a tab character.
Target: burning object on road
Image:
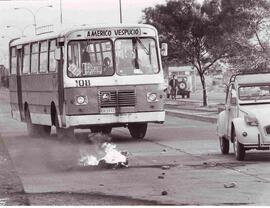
109	156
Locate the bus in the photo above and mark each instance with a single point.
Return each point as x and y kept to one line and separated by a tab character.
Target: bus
88	77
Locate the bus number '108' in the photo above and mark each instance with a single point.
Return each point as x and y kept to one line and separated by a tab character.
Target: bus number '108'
82	83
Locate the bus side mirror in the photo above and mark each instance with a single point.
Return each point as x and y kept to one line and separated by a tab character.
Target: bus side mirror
164	49
57	54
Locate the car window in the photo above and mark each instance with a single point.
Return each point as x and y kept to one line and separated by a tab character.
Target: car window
260	92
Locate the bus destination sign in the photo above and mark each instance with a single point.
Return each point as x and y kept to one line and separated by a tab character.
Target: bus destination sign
117	32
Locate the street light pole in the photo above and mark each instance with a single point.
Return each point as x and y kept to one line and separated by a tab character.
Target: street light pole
21	30
33	13
120	8
61	13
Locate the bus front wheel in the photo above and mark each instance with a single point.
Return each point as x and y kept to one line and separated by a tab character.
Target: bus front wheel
44	130
63	133
137	130
104	129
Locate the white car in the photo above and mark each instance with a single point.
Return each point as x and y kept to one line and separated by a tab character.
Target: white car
246	119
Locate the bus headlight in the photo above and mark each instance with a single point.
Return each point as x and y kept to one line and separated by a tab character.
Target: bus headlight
81	100
151	97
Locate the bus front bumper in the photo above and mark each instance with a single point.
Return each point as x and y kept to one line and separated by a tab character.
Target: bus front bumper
124	118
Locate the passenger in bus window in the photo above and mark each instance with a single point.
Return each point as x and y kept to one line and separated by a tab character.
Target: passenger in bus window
85	56
86	65
107	66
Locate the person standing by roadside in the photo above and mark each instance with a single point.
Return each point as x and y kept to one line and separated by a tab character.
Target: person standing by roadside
173	83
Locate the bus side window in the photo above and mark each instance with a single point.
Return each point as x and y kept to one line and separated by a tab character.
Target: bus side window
34	57
13	69
26	59
74	69
52	61
43	57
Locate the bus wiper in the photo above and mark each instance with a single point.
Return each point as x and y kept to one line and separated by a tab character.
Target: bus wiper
143	46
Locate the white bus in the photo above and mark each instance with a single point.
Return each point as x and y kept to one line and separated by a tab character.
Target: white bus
88	77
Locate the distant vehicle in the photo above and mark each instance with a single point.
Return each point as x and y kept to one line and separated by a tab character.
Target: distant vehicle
245	121
186	80
88	77
184	86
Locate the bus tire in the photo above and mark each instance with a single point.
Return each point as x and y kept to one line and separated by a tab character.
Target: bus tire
106	130
45	130
32	129
95	130
63	133
137	130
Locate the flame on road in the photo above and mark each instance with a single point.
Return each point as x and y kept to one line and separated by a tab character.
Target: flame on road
3	201
107	153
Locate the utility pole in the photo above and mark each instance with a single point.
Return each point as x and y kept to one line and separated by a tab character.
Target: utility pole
61	15
120	7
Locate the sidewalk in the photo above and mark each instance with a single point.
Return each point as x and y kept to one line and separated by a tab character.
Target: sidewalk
193	109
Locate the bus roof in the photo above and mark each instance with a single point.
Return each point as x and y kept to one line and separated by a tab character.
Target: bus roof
66	31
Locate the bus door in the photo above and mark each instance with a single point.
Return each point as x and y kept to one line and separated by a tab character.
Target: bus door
19	81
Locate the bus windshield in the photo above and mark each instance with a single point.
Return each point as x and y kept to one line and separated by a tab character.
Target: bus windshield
136	56
90	58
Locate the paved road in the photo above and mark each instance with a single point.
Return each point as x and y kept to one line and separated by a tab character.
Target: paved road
197	173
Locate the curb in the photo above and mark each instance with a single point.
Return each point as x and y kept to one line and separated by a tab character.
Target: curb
191	116
174	107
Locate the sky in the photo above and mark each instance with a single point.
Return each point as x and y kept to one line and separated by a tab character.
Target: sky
74	12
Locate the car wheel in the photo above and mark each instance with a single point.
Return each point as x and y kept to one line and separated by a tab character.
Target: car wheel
239	149
224	145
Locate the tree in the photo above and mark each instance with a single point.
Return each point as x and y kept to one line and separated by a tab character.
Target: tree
203	35
191	33
251	42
